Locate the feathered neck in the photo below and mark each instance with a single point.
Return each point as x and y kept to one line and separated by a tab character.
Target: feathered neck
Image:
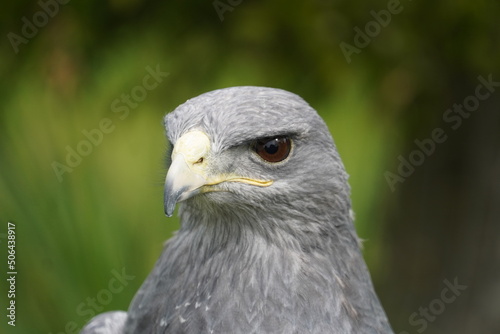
243	273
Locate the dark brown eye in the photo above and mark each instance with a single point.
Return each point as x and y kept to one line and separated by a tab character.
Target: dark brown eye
273	149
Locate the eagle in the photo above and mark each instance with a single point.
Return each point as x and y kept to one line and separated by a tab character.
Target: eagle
266	242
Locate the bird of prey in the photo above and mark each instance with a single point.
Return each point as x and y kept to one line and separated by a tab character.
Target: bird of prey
267	242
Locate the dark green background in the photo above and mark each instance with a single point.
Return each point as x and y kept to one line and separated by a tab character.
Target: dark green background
441	223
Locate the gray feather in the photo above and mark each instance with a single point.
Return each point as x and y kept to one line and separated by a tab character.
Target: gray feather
106	323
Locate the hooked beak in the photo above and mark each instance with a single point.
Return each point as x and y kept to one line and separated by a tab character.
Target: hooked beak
188	174
181	183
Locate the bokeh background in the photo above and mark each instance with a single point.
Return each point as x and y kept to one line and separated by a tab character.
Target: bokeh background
102	217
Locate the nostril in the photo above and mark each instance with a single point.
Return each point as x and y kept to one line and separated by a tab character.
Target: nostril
200	160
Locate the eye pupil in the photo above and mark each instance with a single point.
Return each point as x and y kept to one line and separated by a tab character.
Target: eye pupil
273	149
272	146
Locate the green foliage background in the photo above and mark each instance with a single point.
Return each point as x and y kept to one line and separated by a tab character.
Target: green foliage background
107	214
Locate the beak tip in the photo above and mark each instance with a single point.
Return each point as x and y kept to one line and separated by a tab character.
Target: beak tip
169	212
169	208
170	199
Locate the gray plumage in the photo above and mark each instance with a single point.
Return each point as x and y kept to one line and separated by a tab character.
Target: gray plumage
283	258
106	323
